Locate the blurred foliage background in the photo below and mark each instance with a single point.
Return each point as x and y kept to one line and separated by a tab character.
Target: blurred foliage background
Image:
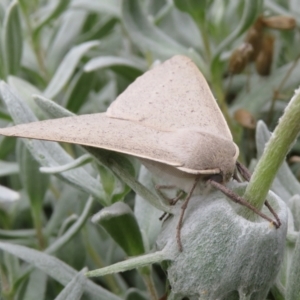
81	54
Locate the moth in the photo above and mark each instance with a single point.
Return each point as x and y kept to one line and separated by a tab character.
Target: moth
167	118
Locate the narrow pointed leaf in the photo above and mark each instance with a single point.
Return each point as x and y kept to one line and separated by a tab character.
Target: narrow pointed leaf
52	12
36	286
8	168
78	162
73	230
7	195
150	38
51	108
25	90
35	184
119	221
110	7
12	39
74	289
110	61
131	263
67	68
49	154
293	287
56	268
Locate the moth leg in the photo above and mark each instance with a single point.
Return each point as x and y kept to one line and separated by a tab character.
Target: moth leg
183	208
247	176
164	187
243	171
238	199
236	176
161	186
172	201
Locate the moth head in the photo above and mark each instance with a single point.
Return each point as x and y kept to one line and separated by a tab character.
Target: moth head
207	154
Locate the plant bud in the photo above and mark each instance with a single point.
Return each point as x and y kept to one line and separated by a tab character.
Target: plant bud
245	118
264	59
280	22
254	37
239	58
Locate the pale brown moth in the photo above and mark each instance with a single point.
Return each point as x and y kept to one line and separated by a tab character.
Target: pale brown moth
169	119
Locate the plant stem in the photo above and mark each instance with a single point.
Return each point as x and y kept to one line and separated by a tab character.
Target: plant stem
109	279
35	44
36	214
149	284
274	154
205	40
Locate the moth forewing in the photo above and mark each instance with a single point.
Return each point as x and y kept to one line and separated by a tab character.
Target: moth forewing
173	95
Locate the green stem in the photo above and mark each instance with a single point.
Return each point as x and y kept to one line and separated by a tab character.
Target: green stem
73	230
35	44
220	95
36	214
274	154
109	279
149	283
205	40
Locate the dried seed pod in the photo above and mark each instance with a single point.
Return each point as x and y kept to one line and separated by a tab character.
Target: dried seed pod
294	159
245	118
280	22
239	58
255	37
264	59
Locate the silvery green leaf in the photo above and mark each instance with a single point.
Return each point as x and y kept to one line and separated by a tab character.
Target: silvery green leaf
74	289
72	230
67	67
111	7
120	222
110	61
146	214
25	90
135	294
8	196
49	13
8	168
17	234
78	162
57	269
131	263
292	286
36	185
51	108
49	154
65	37
12	41
151	39
294	205
36	286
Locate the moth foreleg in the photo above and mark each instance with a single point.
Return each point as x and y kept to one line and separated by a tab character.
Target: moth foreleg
246	174
238	199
